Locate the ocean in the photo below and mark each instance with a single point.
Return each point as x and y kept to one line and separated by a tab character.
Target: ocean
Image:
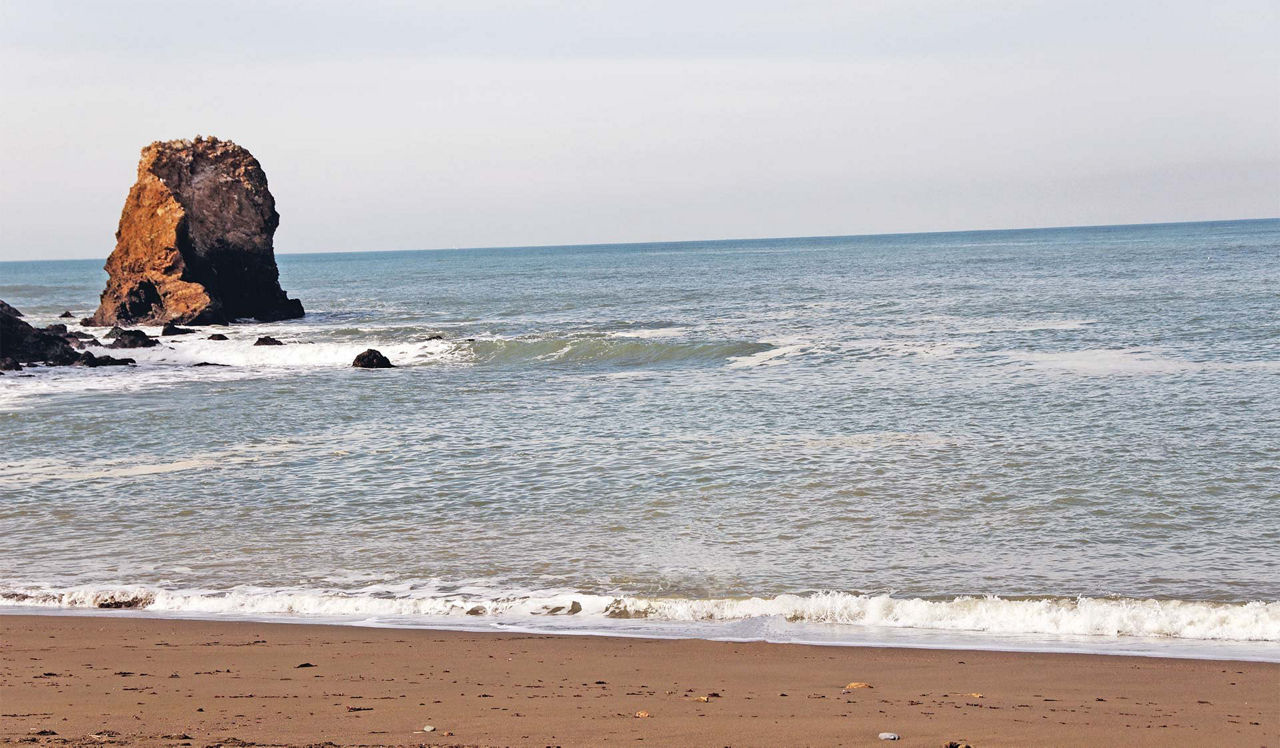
1057	439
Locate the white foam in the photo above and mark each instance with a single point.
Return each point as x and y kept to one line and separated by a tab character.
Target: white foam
1078	617
657	332
35	470
172	361
1126	361
297	353
770	357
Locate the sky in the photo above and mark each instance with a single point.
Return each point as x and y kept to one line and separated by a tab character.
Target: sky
388	125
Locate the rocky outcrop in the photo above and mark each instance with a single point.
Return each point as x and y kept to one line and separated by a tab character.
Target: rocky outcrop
24	344
372	359
20	343
172	329
194	245
133	339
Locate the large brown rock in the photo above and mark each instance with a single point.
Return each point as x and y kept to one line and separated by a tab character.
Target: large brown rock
194	244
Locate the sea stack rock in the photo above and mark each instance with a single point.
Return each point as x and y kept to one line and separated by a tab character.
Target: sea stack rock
194	244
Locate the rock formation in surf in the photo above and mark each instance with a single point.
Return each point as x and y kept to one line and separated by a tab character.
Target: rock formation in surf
372	359
194	244
24	344
20	343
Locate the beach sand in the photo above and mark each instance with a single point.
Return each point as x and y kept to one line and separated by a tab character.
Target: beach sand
100	680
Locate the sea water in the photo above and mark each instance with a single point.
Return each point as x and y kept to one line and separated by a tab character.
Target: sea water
1061	438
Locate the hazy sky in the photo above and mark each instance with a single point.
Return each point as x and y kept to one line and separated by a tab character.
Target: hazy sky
414	125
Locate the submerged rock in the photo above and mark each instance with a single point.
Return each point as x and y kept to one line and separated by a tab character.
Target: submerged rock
172	329
66	315
217	336
133	339
194	243
88	359
267	340
371	359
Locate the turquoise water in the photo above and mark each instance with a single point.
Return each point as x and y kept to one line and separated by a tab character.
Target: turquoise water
1044	435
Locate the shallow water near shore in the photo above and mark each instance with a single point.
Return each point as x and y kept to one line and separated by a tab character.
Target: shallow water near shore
1022	439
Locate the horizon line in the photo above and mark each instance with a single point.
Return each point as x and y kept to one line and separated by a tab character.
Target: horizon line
729	239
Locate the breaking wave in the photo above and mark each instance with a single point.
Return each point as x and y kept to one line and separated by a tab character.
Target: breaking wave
612	349
1082	616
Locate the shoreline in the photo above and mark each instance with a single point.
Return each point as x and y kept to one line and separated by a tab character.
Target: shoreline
873	637
144	680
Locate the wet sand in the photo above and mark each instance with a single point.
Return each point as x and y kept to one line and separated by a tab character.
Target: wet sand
94	680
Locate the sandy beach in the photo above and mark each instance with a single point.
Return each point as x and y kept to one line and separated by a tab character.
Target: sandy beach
91	680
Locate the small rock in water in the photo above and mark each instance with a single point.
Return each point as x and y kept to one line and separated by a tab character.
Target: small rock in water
209	363
132	339
575	607
217	336
172	329
371	359
476	611
66	315
8	364
889	736
267	340
92	361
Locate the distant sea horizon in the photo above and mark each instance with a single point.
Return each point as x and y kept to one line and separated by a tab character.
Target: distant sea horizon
643	243
1050	439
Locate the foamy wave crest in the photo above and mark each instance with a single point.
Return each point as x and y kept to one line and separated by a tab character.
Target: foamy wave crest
1254	621
1091	617
602	349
